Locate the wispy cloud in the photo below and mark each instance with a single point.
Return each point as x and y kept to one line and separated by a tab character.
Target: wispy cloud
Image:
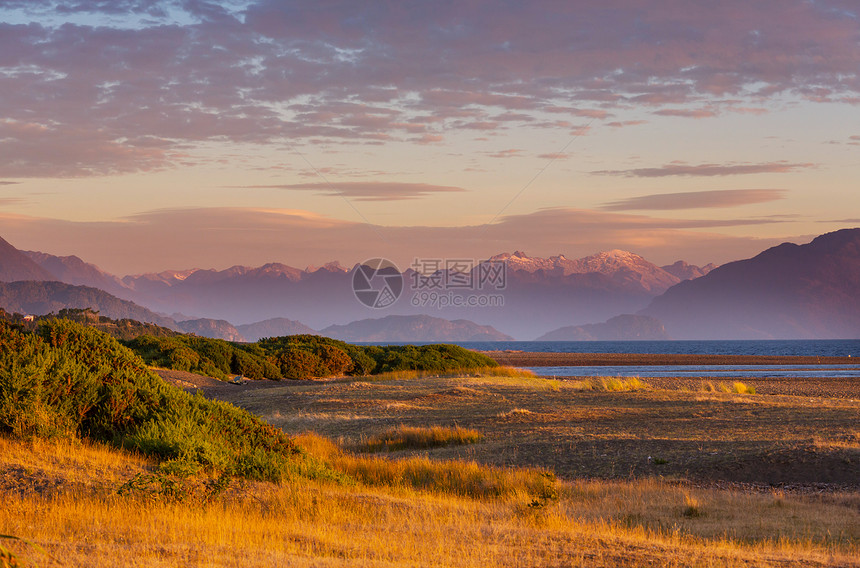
688	113
708	170
696	199
509	153
367	191
9	182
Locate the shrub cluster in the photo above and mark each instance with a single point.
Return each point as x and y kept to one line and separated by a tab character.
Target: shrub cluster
68	379
299	357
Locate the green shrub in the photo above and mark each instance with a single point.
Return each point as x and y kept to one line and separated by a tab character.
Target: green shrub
72	380
299	357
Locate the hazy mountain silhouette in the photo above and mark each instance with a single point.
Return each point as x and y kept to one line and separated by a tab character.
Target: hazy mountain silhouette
413	328
73	270
788	291
625	327
205	327
684	271
274	327
538	293
41	297
15	265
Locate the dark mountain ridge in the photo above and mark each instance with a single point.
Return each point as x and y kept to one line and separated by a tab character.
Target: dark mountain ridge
786	292
15	265
41	297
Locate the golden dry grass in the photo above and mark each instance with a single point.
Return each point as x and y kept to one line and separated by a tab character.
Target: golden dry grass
419	508
313	524
414	437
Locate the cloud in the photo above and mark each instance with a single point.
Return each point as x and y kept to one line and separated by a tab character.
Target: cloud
9	182
222	237
509	153
709	170
367	191
149	79
688	113
555	156
696	199
623	123
36	150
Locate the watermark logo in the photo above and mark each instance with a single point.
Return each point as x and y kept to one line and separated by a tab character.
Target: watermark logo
434	282
377	283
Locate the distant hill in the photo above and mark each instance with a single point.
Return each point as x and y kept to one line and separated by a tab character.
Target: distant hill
274	327
215	329
788	291
413	328
15	265
620	328
73	270
39	298
684	271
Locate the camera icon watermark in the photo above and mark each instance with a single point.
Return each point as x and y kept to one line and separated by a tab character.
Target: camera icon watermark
377	283
434	283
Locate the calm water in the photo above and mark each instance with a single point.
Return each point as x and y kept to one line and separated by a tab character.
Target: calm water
703	371
820	347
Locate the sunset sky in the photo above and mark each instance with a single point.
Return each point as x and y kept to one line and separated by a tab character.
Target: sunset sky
145	135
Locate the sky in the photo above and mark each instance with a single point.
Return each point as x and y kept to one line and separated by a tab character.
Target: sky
146	135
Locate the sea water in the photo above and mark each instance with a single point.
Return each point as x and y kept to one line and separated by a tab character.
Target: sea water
775	347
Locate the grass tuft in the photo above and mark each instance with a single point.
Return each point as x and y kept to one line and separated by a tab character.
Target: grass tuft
742	388
736	388
408	374
612	384
417	438
692	507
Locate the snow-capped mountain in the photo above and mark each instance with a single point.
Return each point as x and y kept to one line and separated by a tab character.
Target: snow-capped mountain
622	267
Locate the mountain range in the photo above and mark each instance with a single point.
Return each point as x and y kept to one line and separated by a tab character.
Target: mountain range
785	292
626	327
538	293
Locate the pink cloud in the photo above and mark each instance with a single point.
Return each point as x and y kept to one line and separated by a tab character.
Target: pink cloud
367	191
709	170
509	153
687	113
623	123
358	71
696	199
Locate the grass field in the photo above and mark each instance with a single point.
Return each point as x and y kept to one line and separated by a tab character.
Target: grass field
600	430
733	480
